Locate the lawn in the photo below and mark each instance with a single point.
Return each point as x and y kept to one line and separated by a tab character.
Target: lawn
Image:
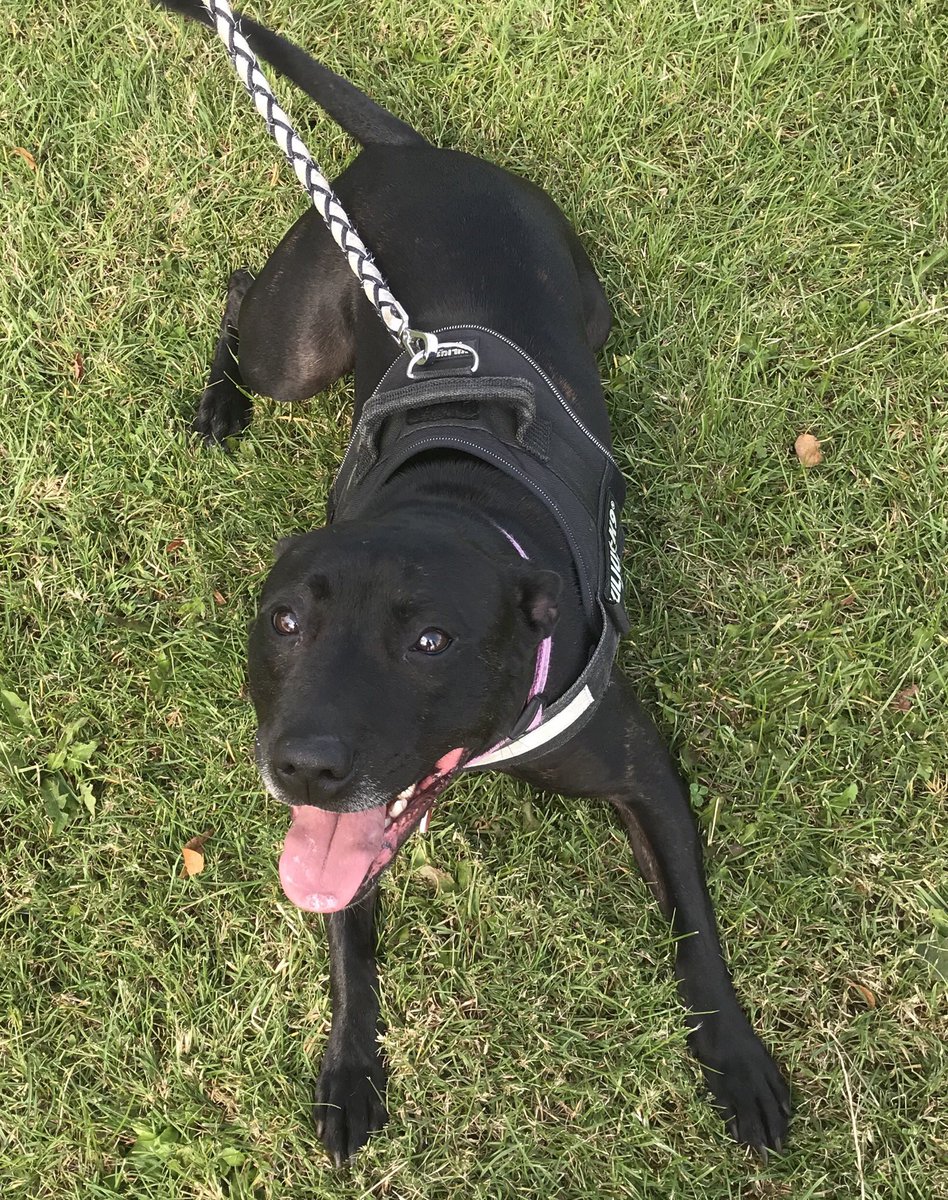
762	188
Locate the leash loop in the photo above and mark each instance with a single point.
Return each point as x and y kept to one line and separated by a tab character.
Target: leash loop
420	345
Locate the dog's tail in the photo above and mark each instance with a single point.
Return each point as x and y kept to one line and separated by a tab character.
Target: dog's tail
359	116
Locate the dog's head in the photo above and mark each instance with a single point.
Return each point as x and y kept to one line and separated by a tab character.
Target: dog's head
382	657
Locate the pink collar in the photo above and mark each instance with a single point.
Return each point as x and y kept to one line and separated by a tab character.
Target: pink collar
532	712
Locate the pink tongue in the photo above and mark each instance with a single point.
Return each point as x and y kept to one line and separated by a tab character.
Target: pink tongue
326	855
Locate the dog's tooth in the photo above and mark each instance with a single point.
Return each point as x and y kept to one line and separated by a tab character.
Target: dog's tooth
407	793
398	806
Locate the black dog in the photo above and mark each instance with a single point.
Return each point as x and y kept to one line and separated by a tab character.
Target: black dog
463	605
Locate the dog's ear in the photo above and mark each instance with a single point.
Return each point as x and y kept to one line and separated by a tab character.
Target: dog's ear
539	600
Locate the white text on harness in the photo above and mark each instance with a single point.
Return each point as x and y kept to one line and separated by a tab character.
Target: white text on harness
615	567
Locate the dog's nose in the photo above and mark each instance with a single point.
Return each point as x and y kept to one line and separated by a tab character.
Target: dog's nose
313	768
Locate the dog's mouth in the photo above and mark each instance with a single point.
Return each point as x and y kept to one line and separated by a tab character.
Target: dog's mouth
331	859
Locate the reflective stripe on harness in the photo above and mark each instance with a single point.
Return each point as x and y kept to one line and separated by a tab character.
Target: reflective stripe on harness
552	726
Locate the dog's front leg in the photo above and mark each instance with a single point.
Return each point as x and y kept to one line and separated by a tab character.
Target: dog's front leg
621	756
350	1091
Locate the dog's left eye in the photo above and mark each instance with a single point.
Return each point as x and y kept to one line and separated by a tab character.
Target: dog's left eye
432	641
285	622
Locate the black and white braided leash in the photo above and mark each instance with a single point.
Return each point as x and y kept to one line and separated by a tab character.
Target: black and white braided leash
418	343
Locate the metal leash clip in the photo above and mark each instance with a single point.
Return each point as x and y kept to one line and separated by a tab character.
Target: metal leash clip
424	346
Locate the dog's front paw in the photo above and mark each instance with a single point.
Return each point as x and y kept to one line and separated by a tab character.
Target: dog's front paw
350	1102
748	1089
223	412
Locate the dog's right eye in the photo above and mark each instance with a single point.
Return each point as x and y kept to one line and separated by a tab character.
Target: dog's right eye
285	622
432	641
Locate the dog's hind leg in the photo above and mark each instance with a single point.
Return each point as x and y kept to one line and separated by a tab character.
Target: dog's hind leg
596	312
224	409
288	333
297	323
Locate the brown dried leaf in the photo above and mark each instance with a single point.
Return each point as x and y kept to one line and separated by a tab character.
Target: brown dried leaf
808	450
867	994
219	598
193	854
26	156
78	367
174	544
903	701
193	861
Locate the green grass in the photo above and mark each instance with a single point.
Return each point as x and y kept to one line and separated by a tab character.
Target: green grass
762	188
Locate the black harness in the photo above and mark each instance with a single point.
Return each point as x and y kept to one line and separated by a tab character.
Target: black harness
507	412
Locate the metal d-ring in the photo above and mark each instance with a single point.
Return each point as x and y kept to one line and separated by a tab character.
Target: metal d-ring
430	346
